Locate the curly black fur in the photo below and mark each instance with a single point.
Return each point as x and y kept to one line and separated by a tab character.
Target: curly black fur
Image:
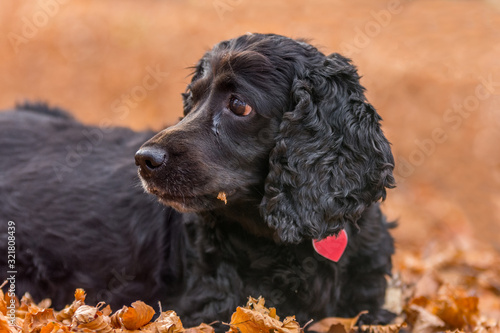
309	160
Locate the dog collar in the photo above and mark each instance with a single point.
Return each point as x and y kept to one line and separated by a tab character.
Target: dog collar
331	247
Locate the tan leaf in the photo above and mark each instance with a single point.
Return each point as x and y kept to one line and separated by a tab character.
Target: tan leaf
3	303
456	308
80	295
107	310
45	303
428	285
116	321
84	314
169	322
67	313
336	325
394	295
255	317
54	327
395	328
35	319
222	196
4	324
203	328
249	321
89	317
259	306
425	321
133	318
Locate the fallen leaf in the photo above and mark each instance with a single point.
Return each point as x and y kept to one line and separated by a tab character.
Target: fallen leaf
255	317
169	322
336	325
84	314
80	295
89	317
66	314
4	324
107	310
394	328
133	318
203	328
54	327
394	295
3	303
36	319
456	308
222	196
425	321
259	306
428	285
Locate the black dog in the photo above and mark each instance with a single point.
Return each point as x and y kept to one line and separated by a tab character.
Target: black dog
278	149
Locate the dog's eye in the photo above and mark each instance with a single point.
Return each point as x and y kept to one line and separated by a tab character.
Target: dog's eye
239	107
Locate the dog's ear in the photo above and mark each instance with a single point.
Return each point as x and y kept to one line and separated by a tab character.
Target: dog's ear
331	160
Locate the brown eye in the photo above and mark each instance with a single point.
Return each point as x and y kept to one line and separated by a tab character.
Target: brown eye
239	107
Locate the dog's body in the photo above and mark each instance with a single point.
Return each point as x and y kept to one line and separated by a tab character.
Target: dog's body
281	130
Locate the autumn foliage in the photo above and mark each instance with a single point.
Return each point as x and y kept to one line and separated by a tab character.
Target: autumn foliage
454	287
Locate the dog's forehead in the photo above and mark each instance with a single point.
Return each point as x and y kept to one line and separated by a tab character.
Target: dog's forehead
237	62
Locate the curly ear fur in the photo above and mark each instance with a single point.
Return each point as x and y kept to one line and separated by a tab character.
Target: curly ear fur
331	160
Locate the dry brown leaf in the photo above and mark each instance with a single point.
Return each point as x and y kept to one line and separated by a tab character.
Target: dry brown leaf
424	321
133	318
336	325
3	303
203	328
259	306
4	324
84	314
36	319
255	317
395	328
456	308
249	321
54	327
222	196
428	285
67	313
80	295
45	303
89	317
107	310
169	322
394	301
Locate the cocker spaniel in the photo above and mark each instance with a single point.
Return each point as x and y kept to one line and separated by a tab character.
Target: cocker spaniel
270	186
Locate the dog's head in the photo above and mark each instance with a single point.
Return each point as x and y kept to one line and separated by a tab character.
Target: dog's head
278	128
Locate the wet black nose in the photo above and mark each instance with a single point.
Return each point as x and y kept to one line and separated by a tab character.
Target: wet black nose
150	158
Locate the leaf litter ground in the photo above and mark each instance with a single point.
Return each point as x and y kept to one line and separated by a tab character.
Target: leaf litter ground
451	286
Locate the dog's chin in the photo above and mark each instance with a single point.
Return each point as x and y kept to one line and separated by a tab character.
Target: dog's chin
183	203
184	206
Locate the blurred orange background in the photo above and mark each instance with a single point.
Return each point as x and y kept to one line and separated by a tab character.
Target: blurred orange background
431	67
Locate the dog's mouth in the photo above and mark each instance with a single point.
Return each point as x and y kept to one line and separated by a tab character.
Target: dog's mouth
191	202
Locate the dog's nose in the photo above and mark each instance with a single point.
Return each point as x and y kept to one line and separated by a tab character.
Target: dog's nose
150	158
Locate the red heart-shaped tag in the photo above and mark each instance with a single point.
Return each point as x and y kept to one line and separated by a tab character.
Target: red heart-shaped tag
332	247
